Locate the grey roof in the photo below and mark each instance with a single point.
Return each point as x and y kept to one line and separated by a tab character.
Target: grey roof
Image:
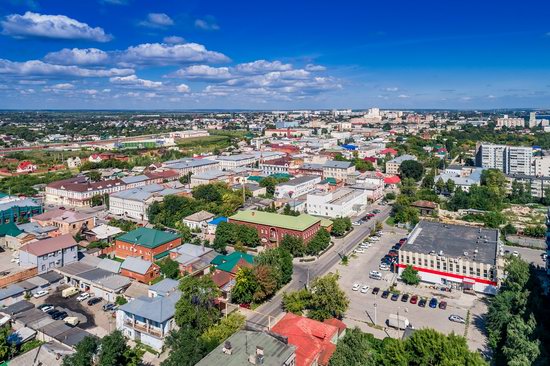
75	269
114	282
337	164
188	163
27	202
51	276
211	174
55	328
165	286
136	265
18	307
36	229
200	216
296	181
244	343
136	289
192	250
454	241
237	157
109	265
134	179
10	291
72	336
312	166
158	309
144	193
45	355
402	158
95	274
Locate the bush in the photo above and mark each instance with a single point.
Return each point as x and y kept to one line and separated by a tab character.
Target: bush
410	276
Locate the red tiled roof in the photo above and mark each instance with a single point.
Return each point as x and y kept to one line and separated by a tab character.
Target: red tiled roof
241	263
43	247
311	338
394	179
337	323
372	159
164	174
388	151
221	278
425	204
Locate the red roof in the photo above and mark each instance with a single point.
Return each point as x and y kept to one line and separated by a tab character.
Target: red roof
46	246
221	278
388	151
311	338
394	179
372	159
337	323
24	164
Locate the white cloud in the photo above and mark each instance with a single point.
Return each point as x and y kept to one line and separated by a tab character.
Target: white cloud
32	82
78	56
90	91
204	72
157	20
135	81
39	68
50	26
208	24
165	54
403	96
182	88
262	66
391	89
63	86
173	40
312	67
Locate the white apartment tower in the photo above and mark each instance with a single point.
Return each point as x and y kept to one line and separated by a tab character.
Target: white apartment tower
508	159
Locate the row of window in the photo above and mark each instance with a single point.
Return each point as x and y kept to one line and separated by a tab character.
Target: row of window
453	267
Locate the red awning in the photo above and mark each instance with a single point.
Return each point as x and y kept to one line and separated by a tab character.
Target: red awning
468	280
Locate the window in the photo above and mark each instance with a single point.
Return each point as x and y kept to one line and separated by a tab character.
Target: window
431	263
464	270
451	267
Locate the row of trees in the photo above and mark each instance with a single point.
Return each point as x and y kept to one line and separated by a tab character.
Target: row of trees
517	321
296	246
235	235
424	347
272	270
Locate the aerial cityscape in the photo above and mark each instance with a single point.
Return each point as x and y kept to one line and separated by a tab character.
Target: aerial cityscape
286	184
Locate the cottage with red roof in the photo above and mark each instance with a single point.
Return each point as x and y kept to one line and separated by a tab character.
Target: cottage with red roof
26	167
315	341
387	151
49	253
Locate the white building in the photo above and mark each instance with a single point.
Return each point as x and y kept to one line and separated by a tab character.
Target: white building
298	186
508	159
74	162
339	170
392	166
344	202
236	161
510	122
211	176
541	166
188	166
134	203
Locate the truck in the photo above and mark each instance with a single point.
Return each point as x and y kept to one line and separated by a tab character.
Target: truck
68	292
72	320
398	321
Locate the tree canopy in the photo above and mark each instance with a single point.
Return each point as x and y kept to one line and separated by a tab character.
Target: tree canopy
411	169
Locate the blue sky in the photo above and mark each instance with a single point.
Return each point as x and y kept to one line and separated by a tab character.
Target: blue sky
191	54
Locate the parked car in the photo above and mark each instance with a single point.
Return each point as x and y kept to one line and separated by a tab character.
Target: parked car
40	293
384	267
46	307
457	319
376	211
83	296
394	296
443	305
414	299
375	274
356	287
405	298
359	250
53	313
60	315
393	251
392	254
245	305
515	253
422	303
375	290
402	241
364	289
433	303
385	294
94	300
108	306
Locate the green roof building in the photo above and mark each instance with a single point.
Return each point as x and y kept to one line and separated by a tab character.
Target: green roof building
149	244
232	262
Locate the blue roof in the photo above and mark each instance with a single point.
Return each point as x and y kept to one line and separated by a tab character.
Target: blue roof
349	147
217	220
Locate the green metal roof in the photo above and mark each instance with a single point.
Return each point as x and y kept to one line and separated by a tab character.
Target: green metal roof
326	222
299	223
255	178
161	255
9	229
281	175
146	237
228	262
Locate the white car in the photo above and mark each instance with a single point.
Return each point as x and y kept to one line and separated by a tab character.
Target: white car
384	267
515	253
356	223
364	246
356	287
83	296
457	319
375	274
359	250
40	293
45	309
364	289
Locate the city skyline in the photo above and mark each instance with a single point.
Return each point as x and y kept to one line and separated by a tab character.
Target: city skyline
132	54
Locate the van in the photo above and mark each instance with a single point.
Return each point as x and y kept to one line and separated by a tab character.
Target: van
398	321
72	320
375	275
68	292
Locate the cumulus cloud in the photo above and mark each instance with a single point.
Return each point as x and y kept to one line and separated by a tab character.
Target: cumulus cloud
78	56
134	81
157	20
205	72
50	26
391	89
208	24
63	86
182	88
166	54
39	68
262	66
312	67
174	40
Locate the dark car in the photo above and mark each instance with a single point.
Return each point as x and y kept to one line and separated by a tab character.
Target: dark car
393	251
433	303
443	305
392	254
60	315
422	303
394	297
54	314
376	211
402	241
385	294
94	300
375	290
109	306
405	298
414	299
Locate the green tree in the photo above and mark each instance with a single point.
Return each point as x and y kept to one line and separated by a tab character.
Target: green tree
390	196
280	261
355	349
428	181
410	276
114	351
218	333
450	186
196	307
207	193
169	268
186	346
318	243
297	301
6	349
269	183
245	287
411	169
293	245
327	300
120	300
94	175
440	185
340	226
520	348
266	278
85	351
509	229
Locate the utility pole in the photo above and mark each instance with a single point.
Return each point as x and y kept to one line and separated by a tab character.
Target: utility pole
375	320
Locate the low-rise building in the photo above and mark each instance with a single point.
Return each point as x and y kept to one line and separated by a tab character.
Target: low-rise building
276	166
148	244
297	187
393	166
188	166
50	253
339	170
79	191
212	176
67	221
231	263
198	220
73	163
193	259
134	203
26	167
458	256
344	202
139	269
13	209
228	162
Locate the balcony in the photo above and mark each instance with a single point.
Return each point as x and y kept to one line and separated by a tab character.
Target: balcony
144	328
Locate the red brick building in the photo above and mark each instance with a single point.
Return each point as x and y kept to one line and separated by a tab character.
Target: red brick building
139	269
273	227
148	244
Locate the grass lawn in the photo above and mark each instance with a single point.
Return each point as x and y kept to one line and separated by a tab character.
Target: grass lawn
390	221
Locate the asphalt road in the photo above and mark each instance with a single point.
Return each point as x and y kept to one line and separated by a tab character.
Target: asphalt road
266	313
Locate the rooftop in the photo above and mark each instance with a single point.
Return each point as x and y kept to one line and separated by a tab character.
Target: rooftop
158	309
146	237
334	164
456	241
300	180
42	247
299	223
136	265
228	263
200	216
402	158
62	215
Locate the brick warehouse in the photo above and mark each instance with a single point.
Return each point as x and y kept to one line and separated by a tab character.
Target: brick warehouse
148	244
273	227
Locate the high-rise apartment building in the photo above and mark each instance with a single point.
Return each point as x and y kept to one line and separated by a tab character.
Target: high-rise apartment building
508	159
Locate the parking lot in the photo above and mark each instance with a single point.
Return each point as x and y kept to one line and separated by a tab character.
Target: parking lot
529	255
367	309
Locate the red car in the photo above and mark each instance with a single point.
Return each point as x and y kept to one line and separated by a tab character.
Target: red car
245	305
443	305
402	241
414	299
392	254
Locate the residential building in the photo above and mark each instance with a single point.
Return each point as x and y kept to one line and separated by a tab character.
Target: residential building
79	191
139	269
297	187
344	202
67	221
231	262
247	347
508	159
425	208
198	220
276	166
148	319
315	341
26	167
339	170
16	209
11	294
187	166
537	184
510	122
393	166
148	244
50	253
163	288
212	176
458	256
134	203
193	259
286	124
541	165
463	177
73	163
273	227
46	354
102	232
